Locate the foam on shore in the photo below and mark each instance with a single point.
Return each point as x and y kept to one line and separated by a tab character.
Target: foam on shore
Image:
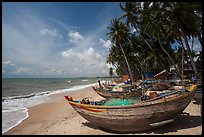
15	108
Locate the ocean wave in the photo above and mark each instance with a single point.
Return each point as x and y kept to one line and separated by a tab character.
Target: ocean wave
84	80
18	105
17	97
45	93
7	125
78	87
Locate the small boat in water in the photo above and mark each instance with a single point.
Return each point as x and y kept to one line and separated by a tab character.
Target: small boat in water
129	116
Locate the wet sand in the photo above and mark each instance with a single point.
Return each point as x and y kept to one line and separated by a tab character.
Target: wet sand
57	117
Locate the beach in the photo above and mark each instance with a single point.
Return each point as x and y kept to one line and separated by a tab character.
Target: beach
57	117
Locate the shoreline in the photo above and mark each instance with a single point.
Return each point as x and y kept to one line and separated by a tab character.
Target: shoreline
57	117
34	100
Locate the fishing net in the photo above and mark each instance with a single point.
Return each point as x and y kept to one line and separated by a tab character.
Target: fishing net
120	102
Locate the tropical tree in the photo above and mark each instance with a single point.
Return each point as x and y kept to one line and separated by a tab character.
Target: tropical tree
119	37
157	26
179	15
132	14
158	20
111	72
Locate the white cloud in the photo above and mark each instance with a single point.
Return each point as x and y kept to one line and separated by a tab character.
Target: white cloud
29	51
106	44
75	37
50	32
88	62
15	69
8	63
22	70
55	71
89	54
68	53
75	69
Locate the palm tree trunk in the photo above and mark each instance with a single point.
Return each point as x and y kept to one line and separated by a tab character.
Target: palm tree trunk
142	37
200	40
131	76
172	61
192	46
191	58
189	51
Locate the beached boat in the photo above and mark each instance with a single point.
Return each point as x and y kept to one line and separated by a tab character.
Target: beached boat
126	91
139	116
198	94
122	90
118	94
160	86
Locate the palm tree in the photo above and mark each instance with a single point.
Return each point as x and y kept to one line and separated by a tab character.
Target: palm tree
132	14
158	24
180	14
154	24
119	37
111	72
161	16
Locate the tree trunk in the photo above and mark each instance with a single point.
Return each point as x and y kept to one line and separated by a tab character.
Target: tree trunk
192	46
142	37
191	58
200	40
172	61
131	76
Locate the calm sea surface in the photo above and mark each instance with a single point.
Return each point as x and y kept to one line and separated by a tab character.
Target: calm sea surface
20	94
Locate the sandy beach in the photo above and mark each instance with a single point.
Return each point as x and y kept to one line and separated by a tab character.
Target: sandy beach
57	117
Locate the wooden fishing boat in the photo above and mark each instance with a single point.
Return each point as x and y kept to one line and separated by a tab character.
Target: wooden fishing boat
160	86
198	94
125	94
130	91
122	90
137	116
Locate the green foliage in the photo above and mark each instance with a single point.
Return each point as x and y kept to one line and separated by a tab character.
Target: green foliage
158	25
111	72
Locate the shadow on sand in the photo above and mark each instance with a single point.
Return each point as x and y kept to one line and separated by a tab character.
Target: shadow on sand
182	122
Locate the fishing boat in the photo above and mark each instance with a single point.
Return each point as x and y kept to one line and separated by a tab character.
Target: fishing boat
198	94
126	91
122	90
129	117
125	94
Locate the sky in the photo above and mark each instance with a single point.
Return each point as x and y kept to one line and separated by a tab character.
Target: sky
56	39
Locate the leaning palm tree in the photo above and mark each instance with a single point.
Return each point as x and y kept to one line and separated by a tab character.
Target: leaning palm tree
154	24
119	36
132	13
179	15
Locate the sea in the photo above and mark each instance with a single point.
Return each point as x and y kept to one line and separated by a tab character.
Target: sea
18	94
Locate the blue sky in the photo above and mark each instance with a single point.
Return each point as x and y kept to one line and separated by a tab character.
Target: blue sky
56	39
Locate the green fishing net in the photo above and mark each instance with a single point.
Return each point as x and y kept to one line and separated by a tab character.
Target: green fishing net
119	102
